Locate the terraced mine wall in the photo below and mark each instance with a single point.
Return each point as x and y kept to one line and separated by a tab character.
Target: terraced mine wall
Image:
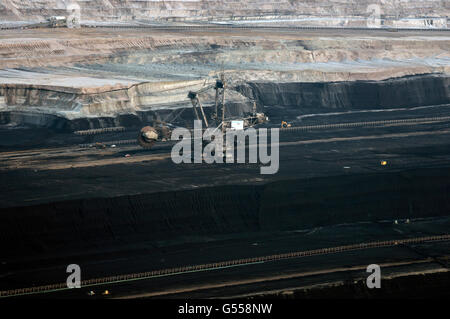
179	217
120	10
288	97
34	119
407	91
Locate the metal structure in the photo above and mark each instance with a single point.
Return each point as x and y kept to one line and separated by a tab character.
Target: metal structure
50	22
148	135
218	116
57	22
160	131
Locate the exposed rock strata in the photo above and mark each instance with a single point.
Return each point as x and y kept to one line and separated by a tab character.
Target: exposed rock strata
120	10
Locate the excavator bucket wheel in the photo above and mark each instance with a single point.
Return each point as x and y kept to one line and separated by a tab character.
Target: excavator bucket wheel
145	143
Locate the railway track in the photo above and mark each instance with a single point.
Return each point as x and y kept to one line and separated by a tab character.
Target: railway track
221	265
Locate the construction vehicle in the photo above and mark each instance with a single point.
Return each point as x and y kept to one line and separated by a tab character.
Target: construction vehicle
50	22
161	130
57	22
285	124
71	21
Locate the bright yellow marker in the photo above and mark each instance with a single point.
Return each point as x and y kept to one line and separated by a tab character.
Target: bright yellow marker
383	163
106	292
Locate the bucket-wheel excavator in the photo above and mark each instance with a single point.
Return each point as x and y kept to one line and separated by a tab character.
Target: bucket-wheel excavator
161	131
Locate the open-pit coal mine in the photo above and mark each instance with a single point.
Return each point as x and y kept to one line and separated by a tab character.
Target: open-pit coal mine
358	122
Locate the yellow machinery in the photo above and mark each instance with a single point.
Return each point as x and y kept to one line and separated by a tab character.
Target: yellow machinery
285	124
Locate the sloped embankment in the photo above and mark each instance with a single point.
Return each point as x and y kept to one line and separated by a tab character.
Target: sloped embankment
71	226
124	108
410	91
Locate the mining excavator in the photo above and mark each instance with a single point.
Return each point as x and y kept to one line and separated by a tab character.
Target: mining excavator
149	135
161	130
50	22
71	21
